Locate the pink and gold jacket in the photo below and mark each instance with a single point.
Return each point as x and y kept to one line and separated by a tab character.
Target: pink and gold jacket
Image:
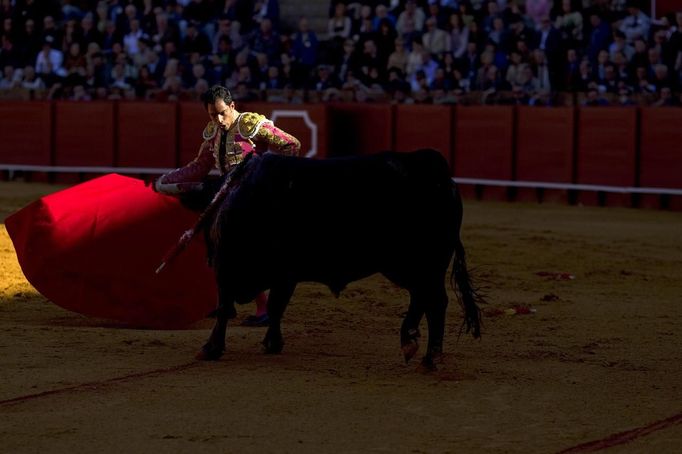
250	133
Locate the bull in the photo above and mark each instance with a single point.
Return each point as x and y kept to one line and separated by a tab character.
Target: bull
336	221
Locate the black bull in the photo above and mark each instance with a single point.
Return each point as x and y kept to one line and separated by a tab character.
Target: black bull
336	221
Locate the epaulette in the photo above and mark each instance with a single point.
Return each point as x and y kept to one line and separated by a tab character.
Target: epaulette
210	130
249	123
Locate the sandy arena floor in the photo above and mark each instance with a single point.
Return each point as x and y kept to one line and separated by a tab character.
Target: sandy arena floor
599	361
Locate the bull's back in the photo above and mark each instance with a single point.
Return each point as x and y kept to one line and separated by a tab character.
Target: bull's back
362	214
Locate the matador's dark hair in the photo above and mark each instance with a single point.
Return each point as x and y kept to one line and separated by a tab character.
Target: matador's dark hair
215	93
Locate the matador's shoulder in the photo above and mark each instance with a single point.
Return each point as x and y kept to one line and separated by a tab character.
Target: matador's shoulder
249	123
210	130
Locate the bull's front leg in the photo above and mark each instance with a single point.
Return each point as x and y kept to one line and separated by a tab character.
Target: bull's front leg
214	348
277	302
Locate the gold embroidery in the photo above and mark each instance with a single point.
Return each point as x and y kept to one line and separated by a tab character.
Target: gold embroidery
248	124
210	130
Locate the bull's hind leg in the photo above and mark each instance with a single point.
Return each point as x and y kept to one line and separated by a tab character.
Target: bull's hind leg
409	331
277	303
435	302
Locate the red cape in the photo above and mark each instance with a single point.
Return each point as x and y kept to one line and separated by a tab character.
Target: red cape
94	249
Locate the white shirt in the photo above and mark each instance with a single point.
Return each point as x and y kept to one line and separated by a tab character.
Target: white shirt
55	58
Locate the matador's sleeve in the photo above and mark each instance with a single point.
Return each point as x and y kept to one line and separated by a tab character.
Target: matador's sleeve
262	131
189	176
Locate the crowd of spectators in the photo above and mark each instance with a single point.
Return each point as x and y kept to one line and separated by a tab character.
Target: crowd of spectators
535	52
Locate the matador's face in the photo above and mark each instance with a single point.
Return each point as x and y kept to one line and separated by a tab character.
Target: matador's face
221	113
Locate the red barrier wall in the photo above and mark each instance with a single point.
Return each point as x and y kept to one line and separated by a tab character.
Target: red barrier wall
25	133
147	134
84	134
360	128
483	142
606	146
192	121
544	144
296	126
422	126
661	148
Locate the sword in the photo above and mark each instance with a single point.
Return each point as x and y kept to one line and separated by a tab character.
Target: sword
188	235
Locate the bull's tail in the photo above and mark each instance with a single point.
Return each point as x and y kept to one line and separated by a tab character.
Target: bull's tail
467	295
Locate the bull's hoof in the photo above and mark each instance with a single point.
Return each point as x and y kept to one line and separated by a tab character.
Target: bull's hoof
427	365
431	359
210	353
272	346
409	349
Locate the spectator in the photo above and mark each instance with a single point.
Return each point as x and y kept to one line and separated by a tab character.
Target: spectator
274	80
641	82
165	31
414	59
370	57
339	25
324	79
665	98
435	40
625	97
514	70
519	96
72	34
498	33
410	35
661	77
519	33
385	40
620	45
50	29
493	13
49	62
265	40
8	54
438	13
398	58
413	15
548	40
636	24
305	46
196	41
75	62
266	9
594	98
79	94
382	14
29	44
172	90
88	33
569	22
599	38
571	72
223	59
146	84
349	62
110	37
10	78
130	40
459	35
230	30
31	80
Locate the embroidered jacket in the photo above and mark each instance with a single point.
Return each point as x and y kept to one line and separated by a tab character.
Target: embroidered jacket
250	133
